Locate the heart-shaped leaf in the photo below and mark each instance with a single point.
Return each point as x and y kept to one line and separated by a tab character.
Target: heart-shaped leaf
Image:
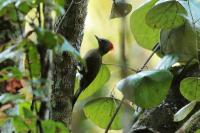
189	88
147	88
100	80
145	36
101	110
168	14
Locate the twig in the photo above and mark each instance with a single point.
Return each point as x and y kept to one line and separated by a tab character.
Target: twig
149	58
63	17
114	115
118	65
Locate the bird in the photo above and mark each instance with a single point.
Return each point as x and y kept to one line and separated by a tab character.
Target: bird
93	61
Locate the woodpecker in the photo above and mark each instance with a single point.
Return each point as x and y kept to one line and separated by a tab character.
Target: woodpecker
93	59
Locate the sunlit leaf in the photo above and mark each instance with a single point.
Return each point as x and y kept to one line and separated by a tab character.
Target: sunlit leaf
101	110
50	126
184	111
145	36
100	80
24	6
7	97
19	124
168	14
120	9
189	88
34	60
147	88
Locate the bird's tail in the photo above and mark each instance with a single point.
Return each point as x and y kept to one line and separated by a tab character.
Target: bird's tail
76	95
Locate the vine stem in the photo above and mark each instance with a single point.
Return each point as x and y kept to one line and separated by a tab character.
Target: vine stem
65	14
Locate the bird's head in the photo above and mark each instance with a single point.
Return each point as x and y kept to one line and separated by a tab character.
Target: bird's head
104	45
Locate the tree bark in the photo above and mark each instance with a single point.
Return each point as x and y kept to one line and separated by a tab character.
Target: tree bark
64	69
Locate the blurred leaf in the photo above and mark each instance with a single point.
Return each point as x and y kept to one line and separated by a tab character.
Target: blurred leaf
47	38
120	9
145	36
168	14
167	61
101	110
181	41
10	53
197	131
189	88
67	47
56	41
19	125
60	2
7	97
24	6
27	113
22	107
10	72
147	88
5	6
50	126
34	60
184	111
100	80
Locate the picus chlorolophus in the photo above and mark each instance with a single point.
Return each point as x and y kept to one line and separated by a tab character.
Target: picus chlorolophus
93	59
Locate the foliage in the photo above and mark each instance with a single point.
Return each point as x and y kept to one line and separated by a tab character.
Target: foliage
173	25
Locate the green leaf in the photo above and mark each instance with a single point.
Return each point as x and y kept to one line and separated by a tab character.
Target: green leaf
19	125
189	88
167	61
34	60
67	47
168	14
197	131
184	111
147	88
120	9
47	38
50	126
101	110
181	41
100	80
24	6
57	42
7	97
5	6
10	72
145	36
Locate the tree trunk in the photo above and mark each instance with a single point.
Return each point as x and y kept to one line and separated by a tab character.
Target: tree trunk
64	69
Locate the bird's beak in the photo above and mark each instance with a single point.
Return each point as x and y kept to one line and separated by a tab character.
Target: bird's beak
97	37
